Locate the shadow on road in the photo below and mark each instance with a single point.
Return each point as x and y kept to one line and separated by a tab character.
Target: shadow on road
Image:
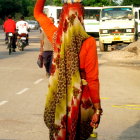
100	55
34	40
132	133
31	48
5	54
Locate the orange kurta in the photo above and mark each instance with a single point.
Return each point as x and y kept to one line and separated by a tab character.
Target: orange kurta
88	54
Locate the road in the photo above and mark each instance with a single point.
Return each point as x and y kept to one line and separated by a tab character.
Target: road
23	88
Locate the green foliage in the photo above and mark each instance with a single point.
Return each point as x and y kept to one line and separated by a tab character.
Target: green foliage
8	7
57	2
85	2
131	2
95	2
127	2
16	8
17	16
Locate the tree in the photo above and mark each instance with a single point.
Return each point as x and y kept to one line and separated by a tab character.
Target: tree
16	8
131	2
9	7
57	2
85	2
95	2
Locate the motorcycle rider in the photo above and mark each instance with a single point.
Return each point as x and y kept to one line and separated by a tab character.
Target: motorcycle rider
22	27
9	26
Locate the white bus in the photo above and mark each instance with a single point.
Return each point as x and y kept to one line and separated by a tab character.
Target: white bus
91	17
53	11
137	17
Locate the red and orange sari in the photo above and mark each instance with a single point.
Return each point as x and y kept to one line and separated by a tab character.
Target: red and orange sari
69	103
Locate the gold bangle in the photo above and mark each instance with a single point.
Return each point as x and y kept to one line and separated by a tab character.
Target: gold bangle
99	111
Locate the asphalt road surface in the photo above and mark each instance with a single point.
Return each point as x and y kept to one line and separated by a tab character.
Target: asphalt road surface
23	87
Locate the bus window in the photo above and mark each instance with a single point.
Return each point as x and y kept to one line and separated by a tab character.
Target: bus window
46	11
136	15
117	13
91	19
58	13
91	14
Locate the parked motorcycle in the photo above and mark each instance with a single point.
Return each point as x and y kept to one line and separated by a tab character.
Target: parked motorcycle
22	41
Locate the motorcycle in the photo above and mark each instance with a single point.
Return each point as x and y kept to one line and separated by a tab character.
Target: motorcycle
22	41
9	41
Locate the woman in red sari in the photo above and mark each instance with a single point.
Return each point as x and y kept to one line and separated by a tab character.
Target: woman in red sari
73	103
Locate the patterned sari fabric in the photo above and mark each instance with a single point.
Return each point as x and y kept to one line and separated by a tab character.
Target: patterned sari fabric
68	110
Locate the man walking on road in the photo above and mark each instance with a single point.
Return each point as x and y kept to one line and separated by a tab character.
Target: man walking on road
9	26
46	50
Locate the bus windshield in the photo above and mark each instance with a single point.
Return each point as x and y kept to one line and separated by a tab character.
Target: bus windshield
91	13
117	13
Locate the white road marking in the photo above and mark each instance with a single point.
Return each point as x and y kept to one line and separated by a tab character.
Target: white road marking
22	91
3	102
38	81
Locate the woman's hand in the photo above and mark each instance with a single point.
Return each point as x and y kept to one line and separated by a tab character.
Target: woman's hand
95	120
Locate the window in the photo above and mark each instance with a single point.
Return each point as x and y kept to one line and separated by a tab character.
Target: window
58	13
116	13
91	13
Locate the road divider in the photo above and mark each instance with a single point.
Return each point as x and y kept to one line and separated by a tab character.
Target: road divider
131	107
22	91
38	81
105	98
3	102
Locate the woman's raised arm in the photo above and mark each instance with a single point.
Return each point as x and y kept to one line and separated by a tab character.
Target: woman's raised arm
44	21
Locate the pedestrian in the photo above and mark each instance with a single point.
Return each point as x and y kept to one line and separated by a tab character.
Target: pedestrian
46	50
73	105
9	26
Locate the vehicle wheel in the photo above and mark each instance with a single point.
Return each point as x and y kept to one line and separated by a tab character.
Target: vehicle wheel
18	45
22	47
136	37
101	46
10	50
105	47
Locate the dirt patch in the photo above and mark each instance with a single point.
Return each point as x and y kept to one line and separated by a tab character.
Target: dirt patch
130	53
